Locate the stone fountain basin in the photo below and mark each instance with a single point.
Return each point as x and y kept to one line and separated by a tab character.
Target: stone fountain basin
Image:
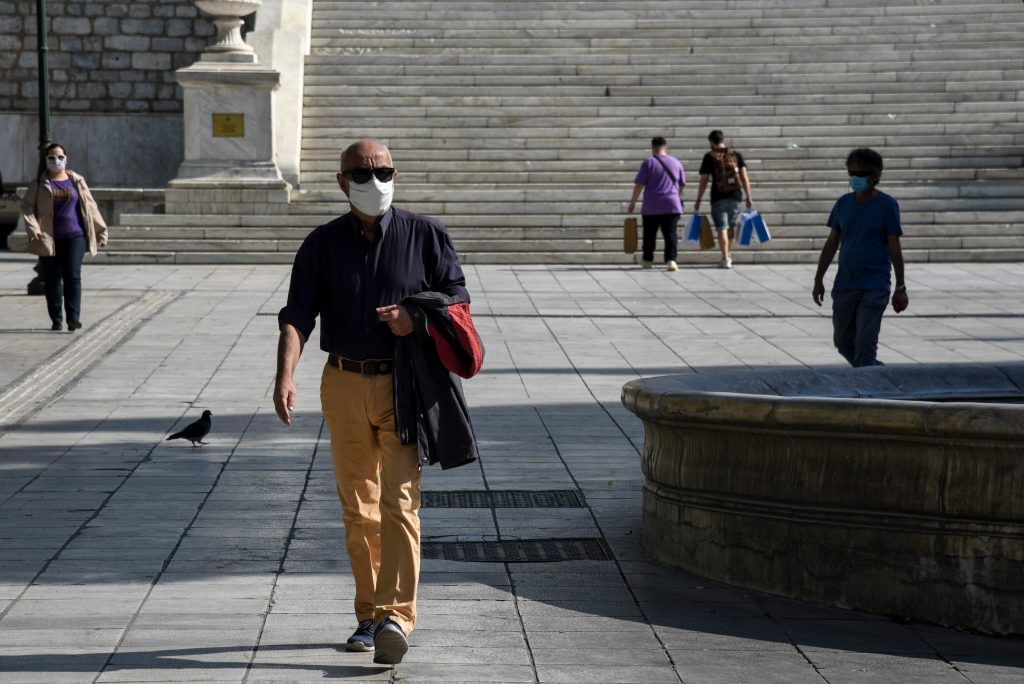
896	490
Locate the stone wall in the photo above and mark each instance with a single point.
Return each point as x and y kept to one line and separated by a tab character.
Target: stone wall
103	56
113	95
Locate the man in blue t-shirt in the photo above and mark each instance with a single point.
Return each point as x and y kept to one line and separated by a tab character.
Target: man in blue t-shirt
866	230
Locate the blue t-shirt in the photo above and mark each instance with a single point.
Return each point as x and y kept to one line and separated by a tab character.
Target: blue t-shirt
864	231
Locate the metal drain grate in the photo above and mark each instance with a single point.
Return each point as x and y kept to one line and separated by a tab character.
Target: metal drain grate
525	551
549	498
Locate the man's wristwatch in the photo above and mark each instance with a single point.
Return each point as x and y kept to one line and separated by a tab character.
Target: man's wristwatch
901	288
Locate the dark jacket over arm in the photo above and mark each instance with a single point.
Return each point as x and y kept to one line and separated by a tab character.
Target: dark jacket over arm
427	393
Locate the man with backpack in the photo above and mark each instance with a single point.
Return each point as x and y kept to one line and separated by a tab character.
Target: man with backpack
727	171
661	179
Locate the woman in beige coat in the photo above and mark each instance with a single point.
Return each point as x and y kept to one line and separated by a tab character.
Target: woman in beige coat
63	221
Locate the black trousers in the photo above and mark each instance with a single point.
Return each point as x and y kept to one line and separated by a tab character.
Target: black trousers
668	224
63	275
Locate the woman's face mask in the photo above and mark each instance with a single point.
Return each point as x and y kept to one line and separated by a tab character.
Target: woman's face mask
56	162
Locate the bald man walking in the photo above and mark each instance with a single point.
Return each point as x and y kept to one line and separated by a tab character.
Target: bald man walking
352	273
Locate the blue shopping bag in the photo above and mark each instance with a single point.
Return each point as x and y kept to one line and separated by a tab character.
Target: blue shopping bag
693	228
753	224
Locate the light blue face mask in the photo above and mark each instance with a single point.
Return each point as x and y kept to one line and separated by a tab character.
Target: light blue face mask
859	183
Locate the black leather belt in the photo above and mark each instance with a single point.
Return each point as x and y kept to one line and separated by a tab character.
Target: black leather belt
367	367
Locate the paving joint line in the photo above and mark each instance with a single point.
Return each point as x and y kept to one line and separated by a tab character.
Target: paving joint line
81	527
511	581
613	557
170	556
593	515
284	553
41	385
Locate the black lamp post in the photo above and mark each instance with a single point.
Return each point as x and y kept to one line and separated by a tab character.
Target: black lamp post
44	80
37	286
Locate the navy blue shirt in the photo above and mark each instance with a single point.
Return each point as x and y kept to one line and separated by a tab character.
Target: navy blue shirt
864	231
342	277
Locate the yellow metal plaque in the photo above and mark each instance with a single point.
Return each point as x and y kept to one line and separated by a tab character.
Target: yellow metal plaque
229	125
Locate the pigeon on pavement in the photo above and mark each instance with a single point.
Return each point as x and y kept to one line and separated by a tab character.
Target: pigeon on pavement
196	431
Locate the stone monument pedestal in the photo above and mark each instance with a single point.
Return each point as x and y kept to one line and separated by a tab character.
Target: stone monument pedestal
229	165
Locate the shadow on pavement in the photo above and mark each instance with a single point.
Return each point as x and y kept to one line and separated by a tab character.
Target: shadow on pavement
629	594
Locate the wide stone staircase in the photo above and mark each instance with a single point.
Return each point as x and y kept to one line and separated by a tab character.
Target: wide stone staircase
521	124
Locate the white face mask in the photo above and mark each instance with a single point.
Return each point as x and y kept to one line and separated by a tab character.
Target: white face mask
373	198
56	164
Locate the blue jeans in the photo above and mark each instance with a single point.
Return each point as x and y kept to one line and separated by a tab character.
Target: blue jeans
725	213
63	275
668	223
856	320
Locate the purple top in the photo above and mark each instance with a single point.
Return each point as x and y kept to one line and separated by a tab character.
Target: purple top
66	223
661	188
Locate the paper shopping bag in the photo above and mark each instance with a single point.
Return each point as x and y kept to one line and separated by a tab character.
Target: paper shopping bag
707	236
753	224
693	228
629	235
746	226
760	229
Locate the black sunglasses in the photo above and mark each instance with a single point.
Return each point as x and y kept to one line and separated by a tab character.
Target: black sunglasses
859	174
361	175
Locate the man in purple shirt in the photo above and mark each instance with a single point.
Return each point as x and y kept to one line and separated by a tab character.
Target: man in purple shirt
661	179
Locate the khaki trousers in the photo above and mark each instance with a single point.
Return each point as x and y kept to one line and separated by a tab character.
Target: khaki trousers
378	482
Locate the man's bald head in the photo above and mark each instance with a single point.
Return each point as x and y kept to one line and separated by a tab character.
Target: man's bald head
368	154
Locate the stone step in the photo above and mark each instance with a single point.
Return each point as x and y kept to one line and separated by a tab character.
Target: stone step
689	144
1010	132
308	213
676	16
575	195
601	86
703	42
597	177
751	126
764	177
795	197
685	258
683	71
545	145
752	114
761	82
684	142
720	48
563	170
807	103
793	10
550	8
551	244
616	62
615	85
820	208
603	240
696	39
